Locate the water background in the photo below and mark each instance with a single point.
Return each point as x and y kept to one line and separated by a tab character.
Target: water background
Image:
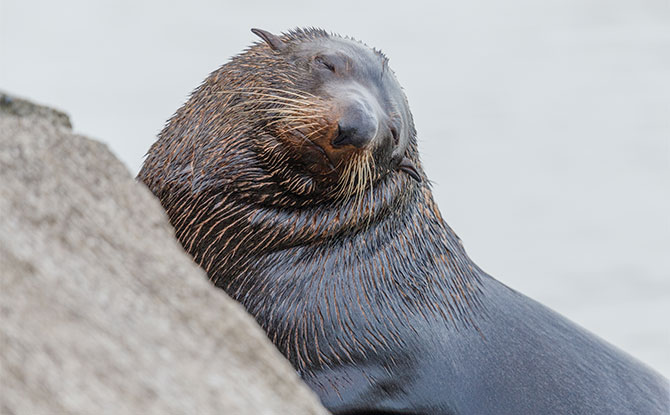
545	126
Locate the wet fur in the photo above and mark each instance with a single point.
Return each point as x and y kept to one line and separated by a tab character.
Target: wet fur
353	273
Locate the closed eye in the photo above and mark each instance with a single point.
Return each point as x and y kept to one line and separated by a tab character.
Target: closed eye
325	63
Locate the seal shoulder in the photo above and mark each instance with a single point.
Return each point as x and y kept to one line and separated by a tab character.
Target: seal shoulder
524	359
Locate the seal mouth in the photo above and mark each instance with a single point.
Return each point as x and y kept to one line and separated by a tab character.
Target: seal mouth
322	159
335	158
408	167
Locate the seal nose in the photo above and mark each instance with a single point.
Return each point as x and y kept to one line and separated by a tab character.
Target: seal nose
356	127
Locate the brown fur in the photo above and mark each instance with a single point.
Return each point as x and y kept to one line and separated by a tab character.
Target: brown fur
332	253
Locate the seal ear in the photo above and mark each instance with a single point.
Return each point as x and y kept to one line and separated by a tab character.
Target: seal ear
273	41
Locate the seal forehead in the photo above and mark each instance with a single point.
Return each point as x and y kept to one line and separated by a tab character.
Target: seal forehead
356	50
359	57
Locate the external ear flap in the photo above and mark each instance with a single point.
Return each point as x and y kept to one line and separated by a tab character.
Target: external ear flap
273	41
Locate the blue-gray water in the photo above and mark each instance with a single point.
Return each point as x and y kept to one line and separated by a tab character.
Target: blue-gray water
544	125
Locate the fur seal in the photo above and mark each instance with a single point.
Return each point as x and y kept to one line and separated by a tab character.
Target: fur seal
292	176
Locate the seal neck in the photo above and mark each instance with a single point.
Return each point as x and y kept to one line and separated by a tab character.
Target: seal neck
375	264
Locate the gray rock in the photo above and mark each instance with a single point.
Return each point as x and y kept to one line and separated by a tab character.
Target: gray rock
101	310
10	105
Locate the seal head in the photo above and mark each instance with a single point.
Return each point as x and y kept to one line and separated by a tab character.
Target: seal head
333	108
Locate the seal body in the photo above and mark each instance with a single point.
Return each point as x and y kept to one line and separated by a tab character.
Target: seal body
525	360
292	176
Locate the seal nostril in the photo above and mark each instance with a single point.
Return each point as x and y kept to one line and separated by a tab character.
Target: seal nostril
340	137
394	133
352	136
357	125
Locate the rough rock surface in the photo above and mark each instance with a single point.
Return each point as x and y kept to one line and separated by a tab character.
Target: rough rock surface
101	311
